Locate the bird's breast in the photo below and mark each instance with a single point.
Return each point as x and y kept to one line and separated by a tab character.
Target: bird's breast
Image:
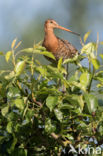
50	43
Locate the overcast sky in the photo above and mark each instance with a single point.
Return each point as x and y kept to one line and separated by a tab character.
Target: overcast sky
18	13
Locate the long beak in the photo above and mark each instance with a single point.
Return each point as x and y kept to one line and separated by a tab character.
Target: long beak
60	27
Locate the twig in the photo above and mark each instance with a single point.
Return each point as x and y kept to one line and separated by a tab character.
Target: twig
97	43
90	84
81	41
34	100
37	102
55	136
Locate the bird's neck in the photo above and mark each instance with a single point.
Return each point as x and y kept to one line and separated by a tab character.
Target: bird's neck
49	33
50	40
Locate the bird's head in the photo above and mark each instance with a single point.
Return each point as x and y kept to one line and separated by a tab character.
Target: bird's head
50	24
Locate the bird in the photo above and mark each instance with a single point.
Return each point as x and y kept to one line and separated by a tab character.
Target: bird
57	46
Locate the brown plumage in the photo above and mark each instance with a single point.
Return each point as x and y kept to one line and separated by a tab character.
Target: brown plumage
59	48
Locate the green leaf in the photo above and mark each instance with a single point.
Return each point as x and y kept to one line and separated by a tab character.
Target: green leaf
101	42
99	78
82	126
63	70
71	60
7	55
12	116
19	68
19	103
1	53
89	49
85	79
2	138
81	102
101	55
0	86
40	48
58	114
74	100
4	110
13	43
86	36
43	71
10	75
13	92
49	126
95	63
12	147
100	130
70	137
48	54
18	45
92	102
29	115
2	72
9	127
99	74
79	85
20	151
54	73
99	85
51	102
66	106
27	50
60	63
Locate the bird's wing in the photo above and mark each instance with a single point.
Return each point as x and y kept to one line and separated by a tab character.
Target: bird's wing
66	48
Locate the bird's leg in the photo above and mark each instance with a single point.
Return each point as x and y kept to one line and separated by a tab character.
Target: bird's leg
65	76
64	89
66	66
59	85
67	71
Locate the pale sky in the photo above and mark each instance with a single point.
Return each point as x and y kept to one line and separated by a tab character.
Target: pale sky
20	12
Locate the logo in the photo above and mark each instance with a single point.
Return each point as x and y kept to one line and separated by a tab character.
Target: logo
72	150
87	150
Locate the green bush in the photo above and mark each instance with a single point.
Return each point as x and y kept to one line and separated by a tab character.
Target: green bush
36	116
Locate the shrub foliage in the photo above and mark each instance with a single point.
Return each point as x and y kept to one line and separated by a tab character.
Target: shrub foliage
36	116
